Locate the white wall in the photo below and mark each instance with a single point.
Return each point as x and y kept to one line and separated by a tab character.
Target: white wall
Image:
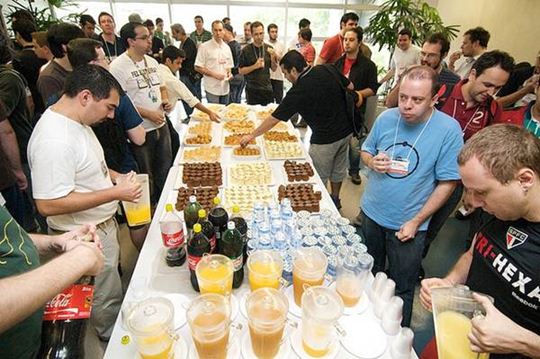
513	24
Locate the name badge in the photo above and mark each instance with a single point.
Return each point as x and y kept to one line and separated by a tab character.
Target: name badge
399	167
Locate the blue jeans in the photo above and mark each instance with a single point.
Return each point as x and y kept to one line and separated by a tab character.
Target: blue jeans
404	260
235	93
355	163
223	99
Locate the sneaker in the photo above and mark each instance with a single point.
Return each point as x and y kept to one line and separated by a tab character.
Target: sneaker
356	179
357	221
337	201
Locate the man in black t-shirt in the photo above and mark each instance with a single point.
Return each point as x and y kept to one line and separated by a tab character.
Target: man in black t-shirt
500	168
318	97
188	75
256	60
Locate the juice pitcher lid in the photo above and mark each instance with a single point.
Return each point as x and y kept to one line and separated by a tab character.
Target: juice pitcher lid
322	303
151	315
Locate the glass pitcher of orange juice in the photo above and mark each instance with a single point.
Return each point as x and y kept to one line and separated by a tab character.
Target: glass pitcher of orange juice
151	324
321	309
266	310
453	309
138	213
208	316
264	269
215	274
309	267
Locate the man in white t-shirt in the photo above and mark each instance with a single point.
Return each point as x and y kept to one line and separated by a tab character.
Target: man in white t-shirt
214	61
405	55
71	183
276	76
475	42
137	73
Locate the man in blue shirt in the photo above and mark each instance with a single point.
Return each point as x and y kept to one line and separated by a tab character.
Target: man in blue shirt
412	153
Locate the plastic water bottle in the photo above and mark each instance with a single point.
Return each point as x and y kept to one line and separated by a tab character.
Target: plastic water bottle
275	226
280	241
265	238
287	218
275	215
285	204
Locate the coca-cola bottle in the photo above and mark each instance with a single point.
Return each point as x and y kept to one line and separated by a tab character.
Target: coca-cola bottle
198	245
207	229
242	227
64	321
172	234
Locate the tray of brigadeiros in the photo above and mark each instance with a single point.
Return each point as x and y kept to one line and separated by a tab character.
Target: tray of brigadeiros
246	196
205	197
199	174
201	154
250	173
303	196
235	111
201	116
252	152
296	172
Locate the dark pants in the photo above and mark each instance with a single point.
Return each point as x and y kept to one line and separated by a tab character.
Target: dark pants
439	218
15	203
191	87
259	97
221	99
404	260
155	158
355	162
235	92
277	89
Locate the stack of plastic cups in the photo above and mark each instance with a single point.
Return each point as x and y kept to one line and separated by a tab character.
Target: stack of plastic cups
401	346
392	315
376	286
383	298
359	248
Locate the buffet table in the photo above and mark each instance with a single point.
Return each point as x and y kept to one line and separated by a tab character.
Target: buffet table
153	278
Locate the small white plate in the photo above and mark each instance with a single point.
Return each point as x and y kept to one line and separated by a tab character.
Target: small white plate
247	349
364	338
359	308
180	349
298	347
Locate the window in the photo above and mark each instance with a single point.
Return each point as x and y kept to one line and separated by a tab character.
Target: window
266	15
92	8
145	10
184	14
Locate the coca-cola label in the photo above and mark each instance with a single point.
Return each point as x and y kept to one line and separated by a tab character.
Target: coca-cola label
173	240
192	261
212	241
75	302
237	262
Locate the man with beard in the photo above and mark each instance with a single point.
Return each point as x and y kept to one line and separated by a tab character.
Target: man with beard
475	42
276	76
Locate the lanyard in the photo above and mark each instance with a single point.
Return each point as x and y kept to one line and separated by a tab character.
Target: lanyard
470	119
146	73
259	52
415	141
107	48
304	73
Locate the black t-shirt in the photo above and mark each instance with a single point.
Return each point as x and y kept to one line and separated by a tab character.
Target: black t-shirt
188	65
260	78
13	95
363	75
112	51
157	46
28	64
319	98
506	266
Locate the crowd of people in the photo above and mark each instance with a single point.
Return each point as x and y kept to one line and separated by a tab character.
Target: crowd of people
464	130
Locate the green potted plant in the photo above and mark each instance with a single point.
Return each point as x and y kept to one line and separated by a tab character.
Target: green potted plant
45	16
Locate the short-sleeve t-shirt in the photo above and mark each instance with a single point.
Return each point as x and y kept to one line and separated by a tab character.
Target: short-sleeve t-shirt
215	57
141	82
471	119
51	81
18	255
332	49
401	60
113	50
13	94
319	98
391	199
65	156
506	266
260	78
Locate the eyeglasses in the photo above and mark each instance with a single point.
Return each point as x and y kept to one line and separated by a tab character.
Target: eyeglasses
144	37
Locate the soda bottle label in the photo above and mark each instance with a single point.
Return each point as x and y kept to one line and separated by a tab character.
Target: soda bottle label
173	240
75	302
212	241
193	261
238	262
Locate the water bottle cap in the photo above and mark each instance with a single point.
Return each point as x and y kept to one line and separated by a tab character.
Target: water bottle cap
192	199
197	228
169	207
231	225
217	200
202	213
236	209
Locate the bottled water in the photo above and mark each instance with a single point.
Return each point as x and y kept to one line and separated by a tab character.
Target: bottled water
280	241
265	238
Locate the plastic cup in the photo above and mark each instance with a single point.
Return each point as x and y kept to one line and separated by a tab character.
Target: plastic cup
138	213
